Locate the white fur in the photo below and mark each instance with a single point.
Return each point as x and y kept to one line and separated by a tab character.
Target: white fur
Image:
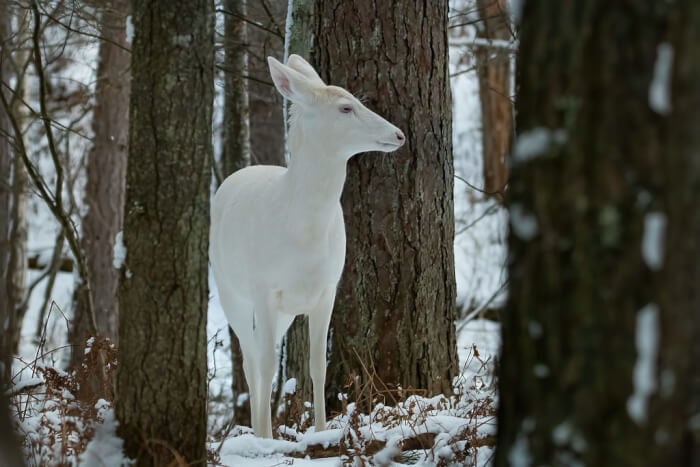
277	235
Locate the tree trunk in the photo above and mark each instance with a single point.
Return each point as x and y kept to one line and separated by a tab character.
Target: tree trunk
296	352
106	177
236	154
493	65
395	307
600	356
10	452
13	229
163	294
266	122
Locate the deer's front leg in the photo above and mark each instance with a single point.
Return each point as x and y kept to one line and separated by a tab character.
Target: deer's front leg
319	320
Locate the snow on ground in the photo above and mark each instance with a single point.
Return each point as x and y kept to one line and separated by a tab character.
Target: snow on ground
447	417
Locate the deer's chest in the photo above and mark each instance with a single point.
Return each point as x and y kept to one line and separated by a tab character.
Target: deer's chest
310	266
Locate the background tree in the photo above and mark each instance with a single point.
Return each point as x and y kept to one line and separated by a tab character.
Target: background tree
396	303
8	301
236	152
163	297
265	38
13	226
600	356
106	177
493	71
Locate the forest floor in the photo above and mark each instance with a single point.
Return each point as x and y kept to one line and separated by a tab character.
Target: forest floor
458	429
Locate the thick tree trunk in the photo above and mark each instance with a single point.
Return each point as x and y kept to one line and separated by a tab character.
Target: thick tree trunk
266	122
236	153
493	65
106	178
395	306
163	294
600	335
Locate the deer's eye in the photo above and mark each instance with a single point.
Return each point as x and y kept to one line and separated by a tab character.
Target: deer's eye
345	109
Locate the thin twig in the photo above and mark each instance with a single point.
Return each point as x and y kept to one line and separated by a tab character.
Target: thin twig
483	308
480	190
491	209
251	22
272	19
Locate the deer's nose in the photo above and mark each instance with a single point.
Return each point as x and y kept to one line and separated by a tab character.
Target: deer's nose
400	136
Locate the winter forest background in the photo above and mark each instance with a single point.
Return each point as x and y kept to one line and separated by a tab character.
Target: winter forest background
521	282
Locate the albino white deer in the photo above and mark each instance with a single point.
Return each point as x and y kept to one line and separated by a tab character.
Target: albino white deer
278	237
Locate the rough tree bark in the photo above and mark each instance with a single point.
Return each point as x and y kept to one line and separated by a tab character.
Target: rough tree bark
600	356
106	178
236	153
493	71
395	306
163	294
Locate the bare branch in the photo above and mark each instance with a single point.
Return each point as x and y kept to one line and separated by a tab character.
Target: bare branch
84	33
251	22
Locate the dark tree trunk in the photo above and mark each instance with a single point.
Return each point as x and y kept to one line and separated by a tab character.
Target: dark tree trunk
395	307
236	153
163	294
600	163
106	177
10	452
493	65
266	122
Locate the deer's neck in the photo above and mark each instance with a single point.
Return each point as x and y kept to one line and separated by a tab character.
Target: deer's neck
315	176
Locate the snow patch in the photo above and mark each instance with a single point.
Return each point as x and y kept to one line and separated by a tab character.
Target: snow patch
524	224
653	240
561	435
519	455
644	380
19	386
541	370
533	143
535	329
119	251
660	87
129	30
290	386
694	422
105	448
241	399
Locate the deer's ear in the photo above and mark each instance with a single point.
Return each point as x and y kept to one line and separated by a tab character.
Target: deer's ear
289	82
302	66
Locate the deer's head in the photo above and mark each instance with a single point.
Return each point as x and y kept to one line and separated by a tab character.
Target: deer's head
330	113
